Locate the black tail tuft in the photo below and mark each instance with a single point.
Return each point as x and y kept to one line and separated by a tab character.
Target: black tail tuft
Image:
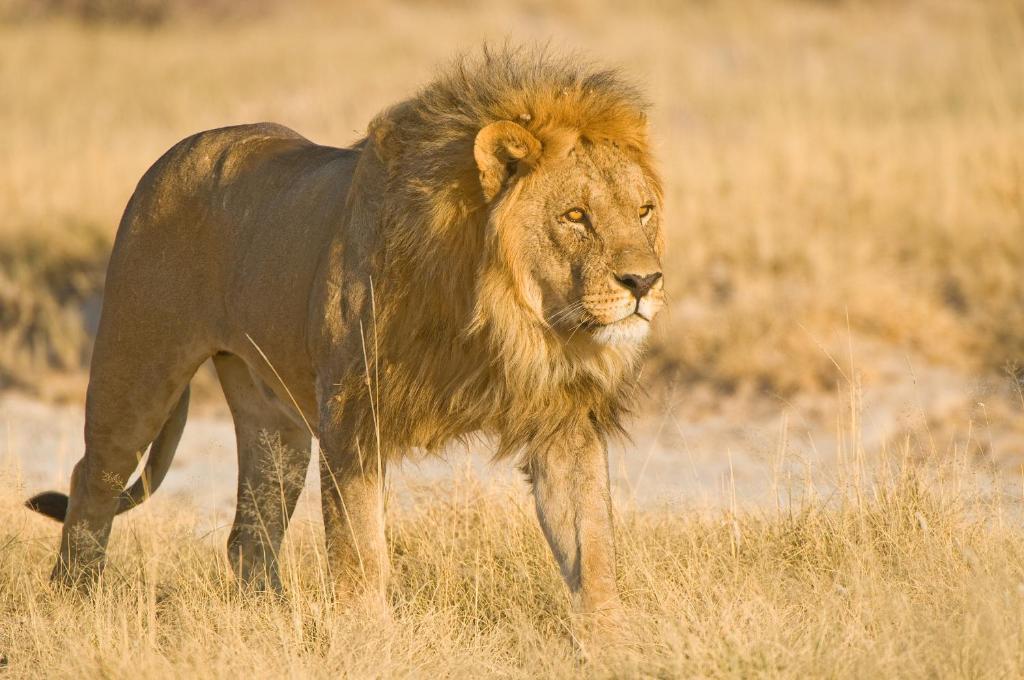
50	503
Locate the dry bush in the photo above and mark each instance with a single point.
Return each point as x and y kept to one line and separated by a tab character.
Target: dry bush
50	292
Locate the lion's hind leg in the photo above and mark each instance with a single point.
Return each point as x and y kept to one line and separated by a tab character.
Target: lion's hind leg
128	403
273	457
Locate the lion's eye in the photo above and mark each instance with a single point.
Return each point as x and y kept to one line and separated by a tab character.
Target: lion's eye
576	215
645	212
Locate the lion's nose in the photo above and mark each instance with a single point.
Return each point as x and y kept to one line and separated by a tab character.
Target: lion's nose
638	284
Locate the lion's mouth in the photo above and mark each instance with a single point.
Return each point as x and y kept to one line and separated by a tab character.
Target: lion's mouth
637	312
635	315
630	328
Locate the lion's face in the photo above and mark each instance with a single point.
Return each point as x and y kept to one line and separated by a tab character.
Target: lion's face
592	225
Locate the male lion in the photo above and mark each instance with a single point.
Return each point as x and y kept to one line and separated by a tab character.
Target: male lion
486	259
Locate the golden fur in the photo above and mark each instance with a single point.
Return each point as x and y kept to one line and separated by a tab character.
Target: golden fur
486	259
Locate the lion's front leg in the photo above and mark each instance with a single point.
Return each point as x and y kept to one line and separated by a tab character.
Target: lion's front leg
570	486
353	509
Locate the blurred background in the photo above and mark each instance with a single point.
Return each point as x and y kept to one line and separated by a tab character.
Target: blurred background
845	198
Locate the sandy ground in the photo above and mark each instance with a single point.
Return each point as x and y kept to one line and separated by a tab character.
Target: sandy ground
694	449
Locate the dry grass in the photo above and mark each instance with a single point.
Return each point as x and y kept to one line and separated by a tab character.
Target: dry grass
829	166
890	577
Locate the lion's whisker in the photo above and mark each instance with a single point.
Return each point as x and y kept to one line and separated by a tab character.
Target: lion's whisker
566	311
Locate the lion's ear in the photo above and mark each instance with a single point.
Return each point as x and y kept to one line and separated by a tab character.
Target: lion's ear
502	150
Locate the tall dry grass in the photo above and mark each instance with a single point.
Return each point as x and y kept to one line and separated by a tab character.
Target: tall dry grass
831	167
899	571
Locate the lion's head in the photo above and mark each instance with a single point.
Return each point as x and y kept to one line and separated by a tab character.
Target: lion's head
584	222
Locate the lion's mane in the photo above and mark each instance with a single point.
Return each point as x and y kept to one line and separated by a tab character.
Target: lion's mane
452	348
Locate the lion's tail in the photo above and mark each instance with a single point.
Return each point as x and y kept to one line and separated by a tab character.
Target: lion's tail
55	505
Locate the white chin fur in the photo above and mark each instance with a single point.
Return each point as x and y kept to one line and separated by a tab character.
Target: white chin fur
628	331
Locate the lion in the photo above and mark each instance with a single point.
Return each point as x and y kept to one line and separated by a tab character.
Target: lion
486	259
